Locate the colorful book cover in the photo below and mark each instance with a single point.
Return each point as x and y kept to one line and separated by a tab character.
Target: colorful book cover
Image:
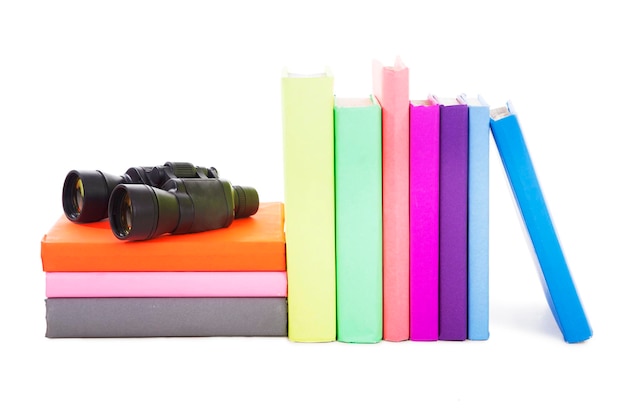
166	284
166	317
309	166
358	217
255	243
478	219
391	89
453	183
424	220
557	281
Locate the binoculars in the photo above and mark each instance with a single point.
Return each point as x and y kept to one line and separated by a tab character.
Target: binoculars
146	202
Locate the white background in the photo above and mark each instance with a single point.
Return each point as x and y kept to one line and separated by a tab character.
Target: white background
110	85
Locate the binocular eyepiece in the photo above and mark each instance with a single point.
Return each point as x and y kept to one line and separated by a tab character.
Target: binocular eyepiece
146	202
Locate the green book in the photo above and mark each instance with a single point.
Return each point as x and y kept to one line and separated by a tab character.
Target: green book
358	218
309	165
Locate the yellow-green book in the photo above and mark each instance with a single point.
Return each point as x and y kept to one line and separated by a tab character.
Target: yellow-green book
308	144
358	218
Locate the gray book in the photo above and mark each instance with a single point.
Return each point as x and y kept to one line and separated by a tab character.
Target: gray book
166	317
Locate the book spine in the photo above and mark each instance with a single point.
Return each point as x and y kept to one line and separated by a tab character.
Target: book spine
165	317
424	222
557	281
308	139
453	222
478	224
166	284
252	244
358	194
391	88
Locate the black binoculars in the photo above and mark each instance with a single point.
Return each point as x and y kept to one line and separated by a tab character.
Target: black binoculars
146	202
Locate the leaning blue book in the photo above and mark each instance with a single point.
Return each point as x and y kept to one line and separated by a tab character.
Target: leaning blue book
557	281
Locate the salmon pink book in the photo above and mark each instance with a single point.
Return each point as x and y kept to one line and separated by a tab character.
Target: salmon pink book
391	88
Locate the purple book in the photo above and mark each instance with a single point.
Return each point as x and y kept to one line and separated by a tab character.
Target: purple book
453	183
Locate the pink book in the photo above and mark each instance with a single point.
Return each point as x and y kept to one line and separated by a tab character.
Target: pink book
391	88
166	284
424	220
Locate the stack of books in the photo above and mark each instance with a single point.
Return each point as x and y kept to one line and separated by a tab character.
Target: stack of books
387	213
224	282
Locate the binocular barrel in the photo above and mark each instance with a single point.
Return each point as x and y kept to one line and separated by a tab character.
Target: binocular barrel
86	195
146	202
140	211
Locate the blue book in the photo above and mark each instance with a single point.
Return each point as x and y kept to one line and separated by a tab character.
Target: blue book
557	281
478	219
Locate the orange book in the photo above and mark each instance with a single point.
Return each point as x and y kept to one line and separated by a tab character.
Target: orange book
255	243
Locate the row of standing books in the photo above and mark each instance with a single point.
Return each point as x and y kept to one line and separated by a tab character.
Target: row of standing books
388	249
387	214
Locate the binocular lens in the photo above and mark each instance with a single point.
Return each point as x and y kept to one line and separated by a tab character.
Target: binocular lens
125	221
78	196
73	196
